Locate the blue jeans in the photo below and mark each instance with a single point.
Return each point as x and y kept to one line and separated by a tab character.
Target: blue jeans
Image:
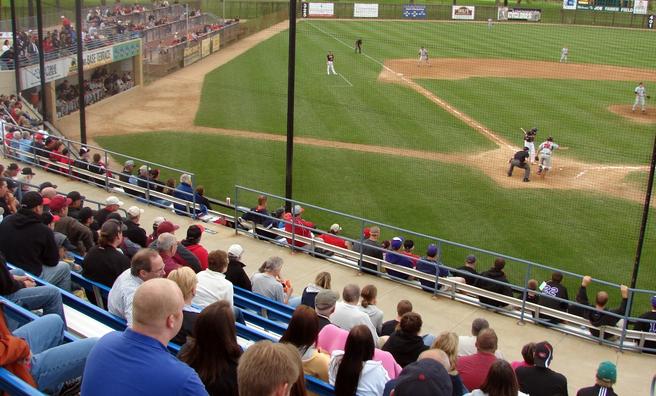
46	298
239	315
59	275
294	301
54	363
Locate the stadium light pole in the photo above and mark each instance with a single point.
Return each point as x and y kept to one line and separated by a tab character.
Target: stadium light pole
291	76
645	217
42	59
80	71
14	34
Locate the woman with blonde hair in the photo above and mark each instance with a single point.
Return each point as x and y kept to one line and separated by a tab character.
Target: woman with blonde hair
321	282
369	294
186	280
448	342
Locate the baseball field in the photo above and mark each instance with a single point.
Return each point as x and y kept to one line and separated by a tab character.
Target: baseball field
426	147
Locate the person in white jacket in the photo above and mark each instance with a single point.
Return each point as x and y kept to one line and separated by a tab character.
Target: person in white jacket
212	283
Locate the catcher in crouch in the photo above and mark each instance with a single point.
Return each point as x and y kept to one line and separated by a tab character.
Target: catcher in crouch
546	150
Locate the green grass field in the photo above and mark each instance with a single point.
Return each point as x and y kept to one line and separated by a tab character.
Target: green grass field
583	232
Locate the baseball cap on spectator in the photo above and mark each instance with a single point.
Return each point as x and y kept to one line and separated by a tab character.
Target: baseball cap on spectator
607	371
75	196
424	377
84	150
543	354
38	136
166	226
84	214
111	228
143	168
46	185
13	166
471	259
27	171
134	211
195	231
11	184
396	243
158	221
325	299
112	200
432	250
366	232
59	202
335	228
297	210
31	200
235	250
129	163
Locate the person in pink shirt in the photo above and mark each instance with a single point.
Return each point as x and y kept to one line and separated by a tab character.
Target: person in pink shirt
527	353
473	369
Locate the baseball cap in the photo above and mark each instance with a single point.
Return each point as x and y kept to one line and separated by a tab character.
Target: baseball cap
335	228
84	150
75	196
158	220
195	231
424	377
134	211
396	243
59	202
325	299
111	228
166	226
31	200
27	171
112	200
46	185
143	168
432	250
543	354
471	259
297	210
129	163
607	371
235	250
366	232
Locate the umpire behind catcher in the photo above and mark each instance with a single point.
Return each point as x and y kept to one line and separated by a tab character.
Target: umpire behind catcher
519	160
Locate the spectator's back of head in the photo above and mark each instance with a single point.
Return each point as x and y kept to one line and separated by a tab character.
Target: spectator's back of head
500	380
323	280
403	307
186	280
166	243
486	341
272	264
602	298
448	342
351	293
408	244
217	261
528	351
303	328
411	323
157	307
325	301
369	294
438	355
479	324
267	369
425	377
606	374
556	277
499	264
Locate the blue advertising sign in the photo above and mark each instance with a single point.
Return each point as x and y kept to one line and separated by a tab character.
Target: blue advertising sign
413	11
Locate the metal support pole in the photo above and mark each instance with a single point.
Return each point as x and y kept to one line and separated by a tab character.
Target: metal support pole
291	76
80	71
42	59
645	216
14	33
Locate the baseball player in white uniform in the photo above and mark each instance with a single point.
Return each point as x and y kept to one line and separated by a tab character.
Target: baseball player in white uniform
563	54
330	66
546	150
640	94
423	56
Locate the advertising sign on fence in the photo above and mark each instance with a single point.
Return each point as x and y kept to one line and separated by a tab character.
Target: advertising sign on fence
640	7
412	11
361	10
216	43
524	14
569	4
191	55
318	10
126	50
502	13
205	47
592	5
463	12
54	70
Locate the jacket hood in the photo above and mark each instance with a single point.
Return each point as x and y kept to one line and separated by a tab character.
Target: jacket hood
24	218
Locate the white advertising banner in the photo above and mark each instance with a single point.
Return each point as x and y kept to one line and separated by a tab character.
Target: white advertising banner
362	10
321	9
569	4
463	12
640	7
54	70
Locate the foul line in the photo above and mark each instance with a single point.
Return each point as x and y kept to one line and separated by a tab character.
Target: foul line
344	78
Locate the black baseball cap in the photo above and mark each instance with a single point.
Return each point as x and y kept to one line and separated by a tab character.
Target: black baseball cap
31	200
46	185
75	196
543	354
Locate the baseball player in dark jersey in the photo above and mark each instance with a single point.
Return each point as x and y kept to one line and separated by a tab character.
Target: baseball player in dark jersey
358	46
519	160
529	141
330	67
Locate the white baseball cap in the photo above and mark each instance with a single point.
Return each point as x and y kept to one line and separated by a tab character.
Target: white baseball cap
335	228
134	211
112	200
235	250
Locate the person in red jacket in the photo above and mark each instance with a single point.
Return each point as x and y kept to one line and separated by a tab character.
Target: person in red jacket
299	226
192	243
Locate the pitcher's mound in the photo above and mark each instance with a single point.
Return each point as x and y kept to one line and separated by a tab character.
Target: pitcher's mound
648	117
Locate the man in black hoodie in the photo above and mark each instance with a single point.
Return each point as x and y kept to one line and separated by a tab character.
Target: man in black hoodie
598	316
495	273
406	344
551	289
235	272
30	245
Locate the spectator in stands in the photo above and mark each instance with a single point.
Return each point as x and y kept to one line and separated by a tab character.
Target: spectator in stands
77	201
22	290
448	343
49	193
405	344
397	257
528	351
389	327
427	376
30	245
302	333
474	368
496	274
467	344
554	288
353	371
331	237
369	295
648	327
324	304
429	264
85	216
200	190
280	362
12	171
599	316
186	280
37	354
166	247
540	380
500	380
184	191
81	163
77	233
212	283
192	243
604	380
112	204
138	355
408	250
182	255
321	282
105	262
213	350
299	226
235	272
259	214
145	265
347	314
134	232
469	268
532	292
266	282
24	180
370	247
8	202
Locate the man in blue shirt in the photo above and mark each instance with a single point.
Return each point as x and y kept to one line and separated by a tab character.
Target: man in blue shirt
136	361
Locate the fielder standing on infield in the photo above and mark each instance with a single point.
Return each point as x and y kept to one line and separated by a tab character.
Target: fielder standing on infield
423	56
330	66
640	94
